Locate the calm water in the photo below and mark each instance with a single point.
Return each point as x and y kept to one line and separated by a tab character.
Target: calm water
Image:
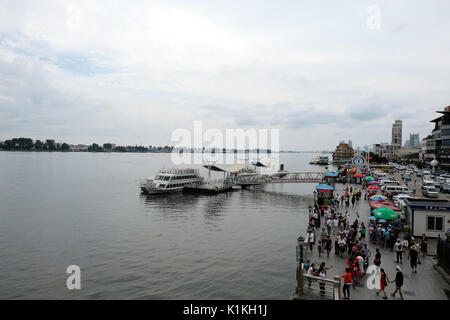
59	209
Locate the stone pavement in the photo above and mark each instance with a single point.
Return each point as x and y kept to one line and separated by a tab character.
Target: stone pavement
426	284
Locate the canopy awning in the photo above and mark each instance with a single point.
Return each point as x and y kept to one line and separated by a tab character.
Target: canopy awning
234	169
213	168
258	164
331	174
324	187
384	204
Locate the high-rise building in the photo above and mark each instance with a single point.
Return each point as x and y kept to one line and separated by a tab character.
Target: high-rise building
350	144
397	134
414	140
439	143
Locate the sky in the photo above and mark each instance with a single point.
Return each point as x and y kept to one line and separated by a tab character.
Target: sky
132	72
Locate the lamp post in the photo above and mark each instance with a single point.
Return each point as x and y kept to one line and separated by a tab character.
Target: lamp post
300	261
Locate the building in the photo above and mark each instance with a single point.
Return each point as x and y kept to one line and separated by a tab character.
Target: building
439	144
414	141
79	147
407	144
350	143
397	134
429	217
426	155
343	152
384	150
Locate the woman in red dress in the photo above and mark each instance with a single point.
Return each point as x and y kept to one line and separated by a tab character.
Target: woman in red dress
383	283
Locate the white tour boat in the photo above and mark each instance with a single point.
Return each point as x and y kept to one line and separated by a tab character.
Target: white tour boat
172	180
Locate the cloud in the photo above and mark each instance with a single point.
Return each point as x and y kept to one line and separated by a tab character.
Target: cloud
134	72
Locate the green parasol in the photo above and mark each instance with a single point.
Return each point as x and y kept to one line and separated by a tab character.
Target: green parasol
369	178
385	213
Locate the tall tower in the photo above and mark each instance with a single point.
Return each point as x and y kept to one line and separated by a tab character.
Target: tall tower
397	134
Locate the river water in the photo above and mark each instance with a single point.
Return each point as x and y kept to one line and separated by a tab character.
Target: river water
85	209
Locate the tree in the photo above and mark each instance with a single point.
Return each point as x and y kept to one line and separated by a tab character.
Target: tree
65	147
50	145
38	145
95	148
107	146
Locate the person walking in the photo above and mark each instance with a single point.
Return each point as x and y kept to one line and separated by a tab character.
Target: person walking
311	241
336	244
377	260
342	243
329	225
335	225
383	283
322	274
347	283
328	246
355	270
398	282
405	245
423	245
363	231
319	248
413	256
366	252
398	247
311	272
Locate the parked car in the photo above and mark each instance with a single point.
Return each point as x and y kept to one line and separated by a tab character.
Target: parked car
430	192
445	187
399	200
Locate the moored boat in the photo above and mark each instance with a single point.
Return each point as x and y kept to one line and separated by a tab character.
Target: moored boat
171	181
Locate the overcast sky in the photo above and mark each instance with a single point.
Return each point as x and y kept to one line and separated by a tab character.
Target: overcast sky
131	72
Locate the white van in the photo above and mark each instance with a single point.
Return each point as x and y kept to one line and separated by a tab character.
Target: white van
381	174
394	190
386	182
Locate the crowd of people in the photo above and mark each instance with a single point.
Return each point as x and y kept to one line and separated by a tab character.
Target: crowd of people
330	227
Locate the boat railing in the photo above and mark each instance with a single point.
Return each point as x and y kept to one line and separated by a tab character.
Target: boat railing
179	171
219	181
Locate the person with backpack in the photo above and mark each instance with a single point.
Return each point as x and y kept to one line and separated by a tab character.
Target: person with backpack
383	283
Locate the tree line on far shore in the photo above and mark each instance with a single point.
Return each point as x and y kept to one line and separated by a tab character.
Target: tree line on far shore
27	144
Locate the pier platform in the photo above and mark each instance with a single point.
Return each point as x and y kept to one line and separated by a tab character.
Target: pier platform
426	284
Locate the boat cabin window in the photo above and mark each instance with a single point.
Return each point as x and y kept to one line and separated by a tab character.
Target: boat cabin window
162	185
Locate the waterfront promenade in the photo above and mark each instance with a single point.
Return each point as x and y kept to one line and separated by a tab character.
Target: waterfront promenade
426	284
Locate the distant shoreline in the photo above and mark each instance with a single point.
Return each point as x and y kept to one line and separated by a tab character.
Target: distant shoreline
72	151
